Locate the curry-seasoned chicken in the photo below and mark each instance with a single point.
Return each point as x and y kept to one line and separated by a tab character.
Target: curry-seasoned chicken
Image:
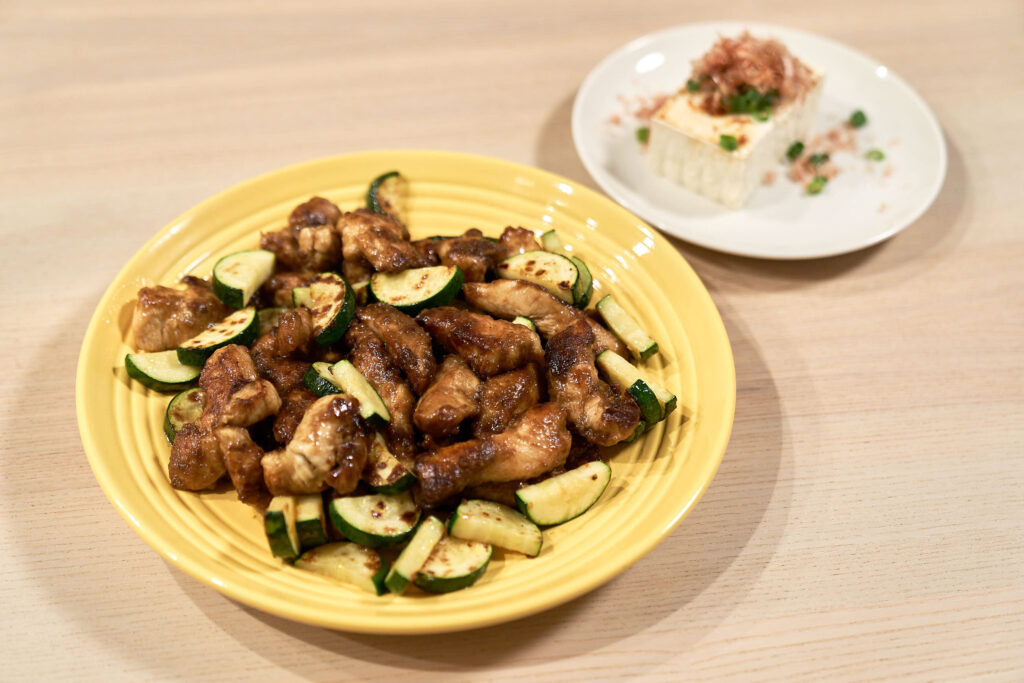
311	241
518	240
451	399
407	343
551	315
472	252
379	240
505	396
369	355
329	448
596	411
489	346
163	317
536	442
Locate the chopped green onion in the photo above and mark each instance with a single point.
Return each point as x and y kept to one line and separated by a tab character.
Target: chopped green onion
693	85
817	185
795	150
642	134
761	115
858	119
875	155
750	101
728	143
818	159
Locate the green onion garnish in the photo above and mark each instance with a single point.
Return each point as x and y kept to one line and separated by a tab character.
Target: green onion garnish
728	143
858	119
817	185
875	155
761	115
693	85
795	150
818	159
750	101
642	134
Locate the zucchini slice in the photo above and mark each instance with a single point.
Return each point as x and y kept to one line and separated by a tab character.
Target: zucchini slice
552	242
279	523
237	276
654	400
497	524
453	564
269	318
584	288
351	381
301	297
161	370
410	291
310	521
376	520
525	322
384	472
183	409
320	380
553	272
241	327
347	562
565	496
414	555
623	326
389	193
333	303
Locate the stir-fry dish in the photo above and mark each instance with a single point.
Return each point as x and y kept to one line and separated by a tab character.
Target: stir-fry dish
396	408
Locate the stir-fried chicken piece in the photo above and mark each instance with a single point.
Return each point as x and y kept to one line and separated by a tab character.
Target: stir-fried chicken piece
379	240
317	211
242	459
471	252
534	443
329	448
505	396
551	315
451	399
277	291
236	396
489	346
371	358
407	343
274	354
518	240
294	404
310	241
596	411
164	318
196	461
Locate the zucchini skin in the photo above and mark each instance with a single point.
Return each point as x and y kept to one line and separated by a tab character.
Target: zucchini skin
336	328
364	538
317	383
442	297
198	356
171	423
156	385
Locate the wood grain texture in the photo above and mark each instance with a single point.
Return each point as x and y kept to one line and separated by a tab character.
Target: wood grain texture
867	519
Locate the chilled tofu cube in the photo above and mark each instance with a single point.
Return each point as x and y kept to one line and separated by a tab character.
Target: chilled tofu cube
684	144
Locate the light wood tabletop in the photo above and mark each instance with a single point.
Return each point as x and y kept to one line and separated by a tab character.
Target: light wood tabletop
866	522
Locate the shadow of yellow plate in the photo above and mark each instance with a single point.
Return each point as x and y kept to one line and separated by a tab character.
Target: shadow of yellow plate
220	542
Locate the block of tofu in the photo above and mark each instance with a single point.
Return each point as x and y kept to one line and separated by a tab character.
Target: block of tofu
684	144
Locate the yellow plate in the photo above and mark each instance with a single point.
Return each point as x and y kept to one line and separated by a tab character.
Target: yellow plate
220	542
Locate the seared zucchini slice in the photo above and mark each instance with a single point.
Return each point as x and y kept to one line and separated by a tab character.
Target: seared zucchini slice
564	496
551	242
410	291
310	521
453	564
489	522
584	288
320	380
372	409
279	524
554	272
384	472
333	303
389	193
414	555
654	400
623	326
161	370
301	297
236	277
347	562
269	318
376	520
183	409
525	322
241	327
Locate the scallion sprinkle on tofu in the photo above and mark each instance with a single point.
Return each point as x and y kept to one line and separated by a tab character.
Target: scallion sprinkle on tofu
728	142
875	155
818	159
795	150
858	119
642	133
817	185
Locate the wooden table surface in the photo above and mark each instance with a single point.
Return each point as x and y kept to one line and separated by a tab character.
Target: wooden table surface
866	522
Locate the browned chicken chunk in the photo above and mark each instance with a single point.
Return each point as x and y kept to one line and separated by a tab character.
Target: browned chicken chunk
242	460
596	411
505	396
451	399
472	252
235	393
196	461
277	291
407	343
489	346
317	211
164	318
518	240
380	241
329	448
310	241
509	298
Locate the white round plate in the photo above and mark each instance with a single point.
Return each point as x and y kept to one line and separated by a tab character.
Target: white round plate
865	204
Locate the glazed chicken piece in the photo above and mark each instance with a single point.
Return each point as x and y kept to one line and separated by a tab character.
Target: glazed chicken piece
275	354
311	241
489	346
471	252
164	318
277	291
509	298
316	211
407	343
451	399
369	355
505	396
241	458
196	461
236	395
518	240
596	411
534	443
380	241
330	447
